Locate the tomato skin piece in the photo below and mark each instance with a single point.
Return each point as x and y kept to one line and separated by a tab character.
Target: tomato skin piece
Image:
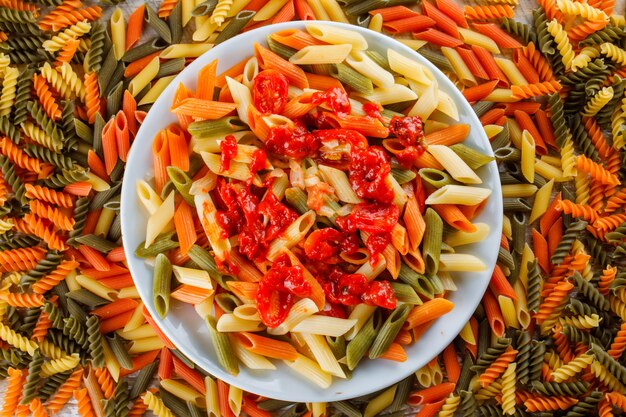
269	91
380	293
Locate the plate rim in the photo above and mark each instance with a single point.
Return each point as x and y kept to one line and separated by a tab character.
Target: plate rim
170	329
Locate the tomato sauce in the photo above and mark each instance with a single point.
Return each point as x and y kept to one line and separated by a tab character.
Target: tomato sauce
410	131
368	174
269	91
336	99
277	290
228	147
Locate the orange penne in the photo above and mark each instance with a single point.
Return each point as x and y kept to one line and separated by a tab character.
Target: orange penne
257	124
438	38
540	248
322	82
554	236
286	14
269	60
129	106
473	63
415	23
94	258
442	20
500	285
185	229
189	375
299	106
140	361
115	323
136	66
118	282
166	364
414	223
222	394
480	91
109	146
157	329
449	135
404	337
114	308
526	123
395	353
451	363
393	13
232	72
179	150
249	406
491	116
247	271
454	217
431	394
135	26
427	161
265	346
206	81
545	128
116	255
80	189
96	274
96	165
244	290
191	295
472	211
203	109
526	67
428	311
552	213
294	38
367	126
161	160
494	315
122	135
491	67
91	220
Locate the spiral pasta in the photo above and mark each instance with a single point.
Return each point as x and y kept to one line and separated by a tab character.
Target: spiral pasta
582	188
20	259
535	404
106	382
607	277
68	51
138	408
618	119
534	90
92	96
586	28
57	81
584	10
220	12
41	327
83	403
553	301
488	12
563	44
12	393
59	365
166	7
450	406
72	17
604	376
598	101
36	407
615	53
568	158
508	389
72	80
73	32
53	278
584	212
95	341
44	232
584	57
41	137
9	88
48	195
608	223
156	405
581	322
497	367
15	154
17	340
596	171
56	216
45	97
21	300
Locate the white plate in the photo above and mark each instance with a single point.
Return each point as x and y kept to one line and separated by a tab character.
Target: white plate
187	331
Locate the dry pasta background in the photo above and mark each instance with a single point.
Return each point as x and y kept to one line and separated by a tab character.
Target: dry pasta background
550	333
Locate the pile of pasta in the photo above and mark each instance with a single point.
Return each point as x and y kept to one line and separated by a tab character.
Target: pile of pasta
314	195
549	336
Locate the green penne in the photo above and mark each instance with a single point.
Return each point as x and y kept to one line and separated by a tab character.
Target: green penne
432	241
182	182
235	25
362	341
405	293
403	175
223	350
279	49
471	156
353	79
161	284
389	330
160	27
204	260
175	22
419	282
507	153
162	243
435	177
211	128
297	199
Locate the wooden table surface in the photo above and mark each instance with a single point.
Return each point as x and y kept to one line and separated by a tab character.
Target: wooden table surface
523	13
